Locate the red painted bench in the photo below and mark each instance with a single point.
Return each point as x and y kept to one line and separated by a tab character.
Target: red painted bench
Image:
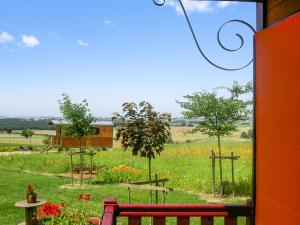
206	213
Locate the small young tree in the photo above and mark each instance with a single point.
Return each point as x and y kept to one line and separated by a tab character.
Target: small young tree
143	130
8	131
80	119
27	134
220	114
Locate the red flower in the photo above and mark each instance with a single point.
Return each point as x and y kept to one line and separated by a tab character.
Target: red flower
87	197
50	209
80	196
63	204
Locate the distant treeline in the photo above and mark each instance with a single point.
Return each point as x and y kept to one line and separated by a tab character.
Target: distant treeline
22	124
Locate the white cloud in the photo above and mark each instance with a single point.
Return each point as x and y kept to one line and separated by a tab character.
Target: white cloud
194	6
225	4
30	41
6	37
109	22
83	43
191	6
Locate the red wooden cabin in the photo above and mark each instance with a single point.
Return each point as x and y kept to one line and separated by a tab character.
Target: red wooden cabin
102	137
276	188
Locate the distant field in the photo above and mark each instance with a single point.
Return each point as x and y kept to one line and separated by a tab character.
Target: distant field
179	134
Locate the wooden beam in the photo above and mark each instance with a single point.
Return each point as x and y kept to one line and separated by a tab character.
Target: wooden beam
145	187
277	10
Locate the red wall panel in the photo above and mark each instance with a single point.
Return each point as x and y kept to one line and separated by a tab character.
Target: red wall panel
278	124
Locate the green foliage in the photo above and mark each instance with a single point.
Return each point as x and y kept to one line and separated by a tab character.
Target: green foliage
170	141
244	135
247	135
142	129
23	124
118	174
220	114
8	130
78	115
46	140
250	133
27	133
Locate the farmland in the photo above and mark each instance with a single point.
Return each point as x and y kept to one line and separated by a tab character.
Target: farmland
185	162
179	134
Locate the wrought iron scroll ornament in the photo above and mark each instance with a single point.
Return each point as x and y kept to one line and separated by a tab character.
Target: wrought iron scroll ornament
162	2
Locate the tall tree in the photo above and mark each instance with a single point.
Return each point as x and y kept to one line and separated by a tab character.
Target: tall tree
219	114
80	119
143	130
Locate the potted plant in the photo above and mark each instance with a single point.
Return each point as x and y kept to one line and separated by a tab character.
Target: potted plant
31	195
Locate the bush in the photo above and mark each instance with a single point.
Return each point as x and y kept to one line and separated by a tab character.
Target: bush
170	141
188	141
46	140
250	133
118	174
244	135
227	188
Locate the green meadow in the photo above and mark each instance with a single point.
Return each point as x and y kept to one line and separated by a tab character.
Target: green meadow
185	162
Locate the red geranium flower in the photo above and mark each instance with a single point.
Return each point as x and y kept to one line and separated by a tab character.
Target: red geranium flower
50	209
87	197
63	204
80	196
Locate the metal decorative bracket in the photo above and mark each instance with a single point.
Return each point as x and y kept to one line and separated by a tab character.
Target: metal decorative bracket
162	2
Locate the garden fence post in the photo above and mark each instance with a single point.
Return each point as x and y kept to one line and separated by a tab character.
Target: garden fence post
71	155
213	172
129	193
164	194
156	192
91	167
232	172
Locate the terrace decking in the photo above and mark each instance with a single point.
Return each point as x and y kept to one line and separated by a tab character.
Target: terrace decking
183	213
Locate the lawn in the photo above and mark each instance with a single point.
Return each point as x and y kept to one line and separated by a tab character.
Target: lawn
186	163
13	185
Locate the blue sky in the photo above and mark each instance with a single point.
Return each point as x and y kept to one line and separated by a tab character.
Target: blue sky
110	52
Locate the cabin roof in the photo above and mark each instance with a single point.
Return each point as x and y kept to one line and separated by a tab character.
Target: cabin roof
64	122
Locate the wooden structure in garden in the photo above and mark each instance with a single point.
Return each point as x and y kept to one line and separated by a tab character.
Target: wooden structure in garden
213	158
276	166
158	185
103	136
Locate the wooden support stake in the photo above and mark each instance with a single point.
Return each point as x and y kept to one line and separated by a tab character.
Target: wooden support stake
230	221
134	220
72	177
159	220
164	193
156	192
183	220
232	172
249	219
207	221
91	168
213	160
129	193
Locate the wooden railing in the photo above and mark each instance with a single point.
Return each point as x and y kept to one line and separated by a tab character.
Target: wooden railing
183	213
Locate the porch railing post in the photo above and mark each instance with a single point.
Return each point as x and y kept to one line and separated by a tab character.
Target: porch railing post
109	214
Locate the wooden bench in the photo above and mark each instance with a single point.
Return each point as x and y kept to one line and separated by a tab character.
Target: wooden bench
183	213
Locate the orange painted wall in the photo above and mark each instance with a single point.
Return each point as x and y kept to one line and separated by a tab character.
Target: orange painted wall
103	139
278	124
